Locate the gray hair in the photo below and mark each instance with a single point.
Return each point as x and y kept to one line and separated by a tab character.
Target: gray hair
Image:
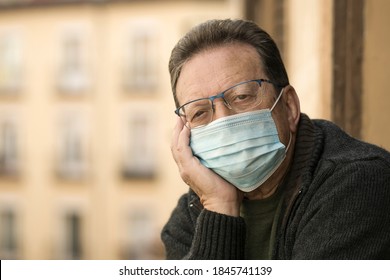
215	33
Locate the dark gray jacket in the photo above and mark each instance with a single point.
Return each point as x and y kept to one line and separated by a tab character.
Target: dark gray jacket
336	206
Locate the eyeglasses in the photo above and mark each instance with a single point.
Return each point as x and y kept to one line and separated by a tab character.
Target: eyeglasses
240	98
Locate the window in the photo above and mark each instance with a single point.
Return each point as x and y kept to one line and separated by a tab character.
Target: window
73	244
70	233
141	235
139	156
73	78
71	159
141	59
10	63
8	234
9	160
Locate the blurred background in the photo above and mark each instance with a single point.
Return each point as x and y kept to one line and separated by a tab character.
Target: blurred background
86	109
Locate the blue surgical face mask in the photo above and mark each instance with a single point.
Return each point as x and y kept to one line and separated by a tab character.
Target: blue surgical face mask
244	149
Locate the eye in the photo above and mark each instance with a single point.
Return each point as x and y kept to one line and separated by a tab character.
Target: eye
242	95
197	115
199	112
241	98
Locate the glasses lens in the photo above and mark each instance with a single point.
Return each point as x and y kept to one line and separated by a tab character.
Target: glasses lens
197	113
245	97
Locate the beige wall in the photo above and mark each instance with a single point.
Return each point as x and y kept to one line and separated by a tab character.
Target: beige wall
308	53
376	97
308	56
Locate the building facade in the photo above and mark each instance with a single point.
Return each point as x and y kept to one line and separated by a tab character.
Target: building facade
86	114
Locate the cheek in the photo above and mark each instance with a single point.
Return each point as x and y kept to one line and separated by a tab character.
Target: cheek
282	126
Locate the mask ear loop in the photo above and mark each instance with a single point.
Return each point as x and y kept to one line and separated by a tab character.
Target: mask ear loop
277	99
289	142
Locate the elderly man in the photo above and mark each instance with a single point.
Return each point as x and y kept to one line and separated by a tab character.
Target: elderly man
266	181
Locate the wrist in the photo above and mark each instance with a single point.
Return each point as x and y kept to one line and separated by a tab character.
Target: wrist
230	208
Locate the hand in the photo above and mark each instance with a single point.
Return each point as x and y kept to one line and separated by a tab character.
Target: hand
214	192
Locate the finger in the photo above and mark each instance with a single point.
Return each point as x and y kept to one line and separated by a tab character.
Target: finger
184	136
176	132
180	148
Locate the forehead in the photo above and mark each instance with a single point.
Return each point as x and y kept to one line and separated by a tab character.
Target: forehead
215	69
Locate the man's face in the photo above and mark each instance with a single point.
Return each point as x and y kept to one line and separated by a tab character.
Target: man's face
214	70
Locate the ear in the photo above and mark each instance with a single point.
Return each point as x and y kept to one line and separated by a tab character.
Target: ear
292	106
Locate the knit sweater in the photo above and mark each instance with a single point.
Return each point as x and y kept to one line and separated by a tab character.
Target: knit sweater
336	205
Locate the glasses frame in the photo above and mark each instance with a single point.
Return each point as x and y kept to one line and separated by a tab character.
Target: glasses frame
222	94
